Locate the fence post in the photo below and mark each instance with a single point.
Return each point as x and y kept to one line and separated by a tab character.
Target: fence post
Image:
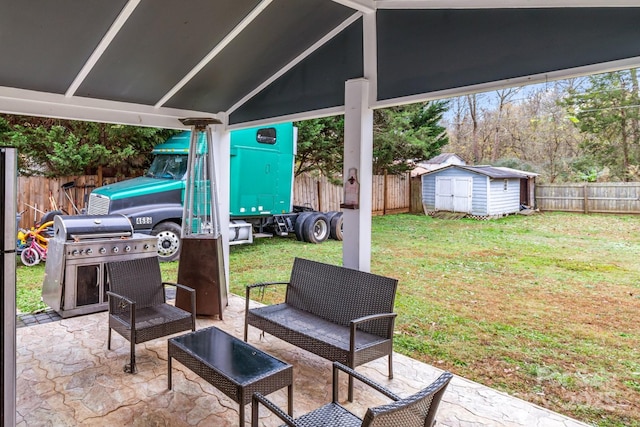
319	189
585	196
409	190
384	196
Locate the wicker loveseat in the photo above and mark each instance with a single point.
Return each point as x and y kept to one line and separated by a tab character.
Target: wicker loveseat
340	314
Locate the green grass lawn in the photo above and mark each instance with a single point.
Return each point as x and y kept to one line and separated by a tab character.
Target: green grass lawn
543	307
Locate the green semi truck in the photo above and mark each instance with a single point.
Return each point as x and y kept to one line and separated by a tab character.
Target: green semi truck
261	193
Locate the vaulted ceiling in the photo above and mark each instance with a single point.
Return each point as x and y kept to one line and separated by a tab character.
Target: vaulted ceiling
150	62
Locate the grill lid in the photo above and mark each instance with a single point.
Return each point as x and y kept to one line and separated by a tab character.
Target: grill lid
81	227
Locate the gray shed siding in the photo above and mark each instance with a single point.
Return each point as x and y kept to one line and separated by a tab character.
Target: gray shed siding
501	201
488	196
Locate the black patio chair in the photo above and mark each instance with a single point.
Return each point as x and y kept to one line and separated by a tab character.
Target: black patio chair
138	309
418	410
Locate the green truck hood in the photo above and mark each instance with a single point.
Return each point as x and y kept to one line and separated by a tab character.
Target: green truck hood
138	187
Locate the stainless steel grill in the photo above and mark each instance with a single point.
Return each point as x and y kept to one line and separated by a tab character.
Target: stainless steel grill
76	280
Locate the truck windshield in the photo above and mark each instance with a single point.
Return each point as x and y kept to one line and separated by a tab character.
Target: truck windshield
168	166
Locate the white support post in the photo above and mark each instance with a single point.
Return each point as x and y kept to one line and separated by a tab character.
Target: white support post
222	146
358	154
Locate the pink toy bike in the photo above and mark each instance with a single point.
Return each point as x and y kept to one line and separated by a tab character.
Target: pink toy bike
34	251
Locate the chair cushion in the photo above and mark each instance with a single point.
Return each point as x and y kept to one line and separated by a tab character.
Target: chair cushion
330	415
155	316
311	325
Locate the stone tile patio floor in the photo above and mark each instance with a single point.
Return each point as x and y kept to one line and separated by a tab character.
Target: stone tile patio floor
67	377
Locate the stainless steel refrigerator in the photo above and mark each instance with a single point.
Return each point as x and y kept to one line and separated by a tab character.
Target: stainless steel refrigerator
8	201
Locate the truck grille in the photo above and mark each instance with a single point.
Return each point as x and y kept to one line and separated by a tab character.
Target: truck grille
98	205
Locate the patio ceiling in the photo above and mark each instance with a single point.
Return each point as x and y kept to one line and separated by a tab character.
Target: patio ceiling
150	62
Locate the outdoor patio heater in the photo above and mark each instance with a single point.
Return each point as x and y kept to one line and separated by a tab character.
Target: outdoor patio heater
201	264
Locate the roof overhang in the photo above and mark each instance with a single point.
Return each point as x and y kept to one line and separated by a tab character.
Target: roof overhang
151	62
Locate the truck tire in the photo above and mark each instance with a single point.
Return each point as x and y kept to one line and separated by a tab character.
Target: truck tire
168	234
330	215
297	227
335	227
315	228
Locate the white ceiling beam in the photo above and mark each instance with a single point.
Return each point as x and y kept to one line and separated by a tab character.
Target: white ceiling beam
103	45
42	104
307	115
215	51
500	4
296	60
620	65
364	6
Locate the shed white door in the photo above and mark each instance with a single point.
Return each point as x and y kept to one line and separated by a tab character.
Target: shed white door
453	194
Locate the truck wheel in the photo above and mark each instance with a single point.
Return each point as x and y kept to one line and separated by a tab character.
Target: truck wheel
297	227
335	227
168	234
315	228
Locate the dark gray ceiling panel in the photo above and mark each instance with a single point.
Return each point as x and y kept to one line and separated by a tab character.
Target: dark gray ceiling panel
160	43
421	51
281	33
316	83
44	43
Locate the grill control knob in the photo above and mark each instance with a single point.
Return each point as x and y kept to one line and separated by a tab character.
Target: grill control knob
75	252
127	248
115	250
89	251
102	250
146	246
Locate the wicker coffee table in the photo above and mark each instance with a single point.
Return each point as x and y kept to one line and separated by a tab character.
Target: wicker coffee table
231	365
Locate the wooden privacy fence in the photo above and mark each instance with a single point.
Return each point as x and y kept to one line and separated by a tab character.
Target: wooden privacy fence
38	195
594	197
391	194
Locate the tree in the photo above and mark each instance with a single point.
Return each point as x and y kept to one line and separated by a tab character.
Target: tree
406	135
607	112
55	147
531	129
402	137
320	146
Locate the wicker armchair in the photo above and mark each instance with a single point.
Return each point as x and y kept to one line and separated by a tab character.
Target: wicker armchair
418	410
137	304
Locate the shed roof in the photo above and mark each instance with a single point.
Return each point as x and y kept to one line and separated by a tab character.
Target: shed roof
490	171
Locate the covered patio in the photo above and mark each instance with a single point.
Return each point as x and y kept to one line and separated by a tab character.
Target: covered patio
67	377
249	63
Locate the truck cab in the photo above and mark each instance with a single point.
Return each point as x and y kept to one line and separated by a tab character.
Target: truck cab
261	168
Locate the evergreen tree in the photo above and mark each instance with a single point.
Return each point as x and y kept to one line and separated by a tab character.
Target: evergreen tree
53	147
403	136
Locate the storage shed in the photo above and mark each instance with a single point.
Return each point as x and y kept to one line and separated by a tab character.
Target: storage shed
479	191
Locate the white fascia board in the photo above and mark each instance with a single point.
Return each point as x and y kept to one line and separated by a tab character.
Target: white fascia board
308	115
42	104
604	67
500	4
364	6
